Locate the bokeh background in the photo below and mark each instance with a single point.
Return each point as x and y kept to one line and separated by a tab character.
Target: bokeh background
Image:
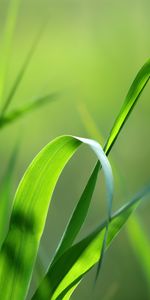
89	53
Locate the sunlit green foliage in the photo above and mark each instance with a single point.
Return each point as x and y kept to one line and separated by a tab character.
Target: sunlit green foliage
22	224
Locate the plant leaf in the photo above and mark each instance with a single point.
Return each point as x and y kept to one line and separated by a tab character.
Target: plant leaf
26	108
130	100
134	93
7	40
30	209
23	68
67	272
5	196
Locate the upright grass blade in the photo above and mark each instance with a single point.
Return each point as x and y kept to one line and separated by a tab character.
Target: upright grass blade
14	115
70	268
30	210
130	100
23	68
136	233
7	41
134	93
5	196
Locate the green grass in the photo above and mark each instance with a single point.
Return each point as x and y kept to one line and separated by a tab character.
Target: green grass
22	223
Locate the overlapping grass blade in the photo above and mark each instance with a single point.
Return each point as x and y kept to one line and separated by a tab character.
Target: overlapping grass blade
130	100
76	221
5	195
80	212
30	210
14	115
70	268
138	239
7	41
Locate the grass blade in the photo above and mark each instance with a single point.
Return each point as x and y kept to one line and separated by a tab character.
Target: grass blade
136	233
23	69
130	100
78	217
133	95
8	36
5	196
14	115
30	209
67	272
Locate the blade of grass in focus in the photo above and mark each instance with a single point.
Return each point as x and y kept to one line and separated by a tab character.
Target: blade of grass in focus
30	209
27	222
7	42
134	92
136	233
133	95
70	268
5	195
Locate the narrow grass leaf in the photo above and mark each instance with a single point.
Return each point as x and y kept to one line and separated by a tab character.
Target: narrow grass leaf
134	92
78	217
5	195
67	272
138	238
7	41
30	209
23	69
130	100
14	115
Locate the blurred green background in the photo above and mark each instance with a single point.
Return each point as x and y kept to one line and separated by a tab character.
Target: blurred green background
89	53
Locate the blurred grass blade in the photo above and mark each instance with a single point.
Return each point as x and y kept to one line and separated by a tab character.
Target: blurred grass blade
30	209
89	123
140	243
23	69
7	41
135	91
5	196
14	115
68	270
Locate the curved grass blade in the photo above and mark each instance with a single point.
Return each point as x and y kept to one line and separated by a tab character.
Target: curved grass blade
136	233
130	100
80	212
7	41
14	115
5	196
30	209
70	268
